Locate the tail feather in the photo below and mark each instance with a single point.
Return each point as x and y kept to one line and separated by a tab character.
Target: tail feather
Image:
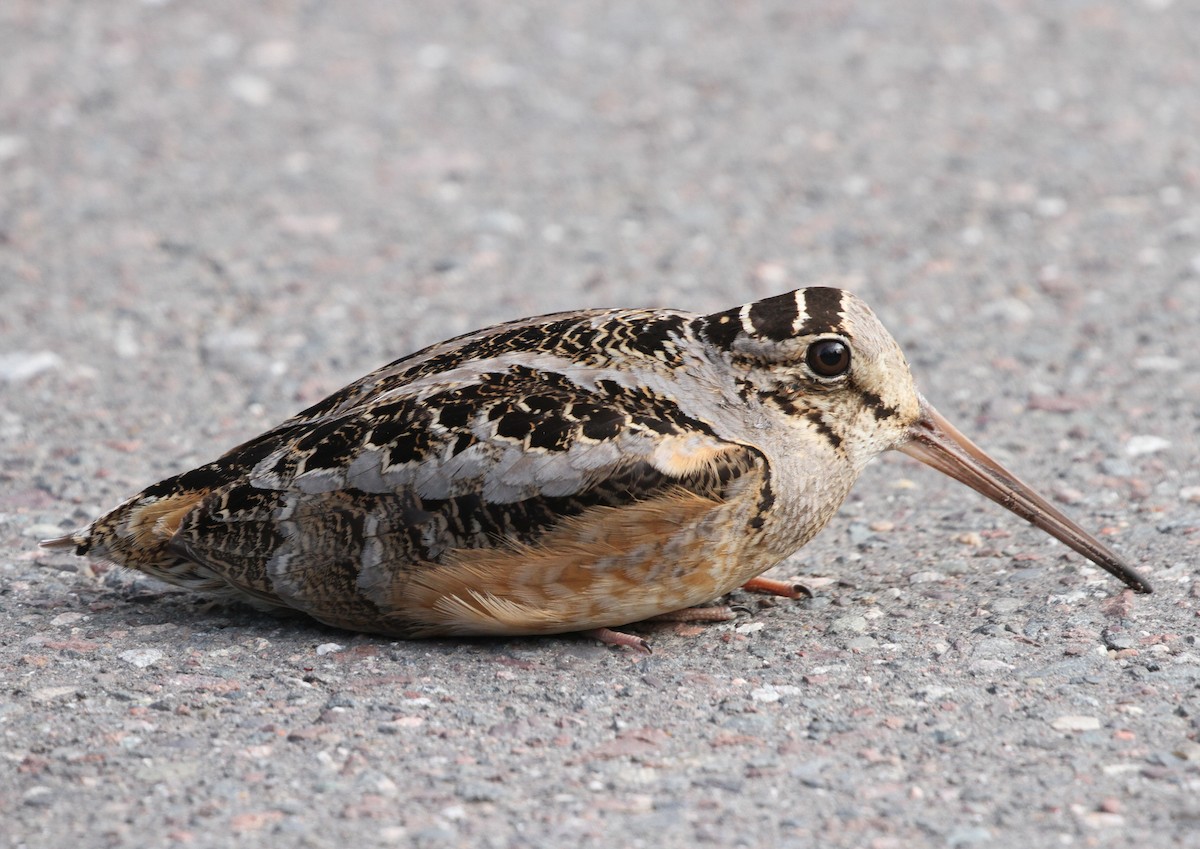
77	539
136	534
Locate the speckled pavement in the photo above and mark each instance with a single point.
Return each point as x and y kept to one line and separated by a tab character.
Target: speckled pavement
212	214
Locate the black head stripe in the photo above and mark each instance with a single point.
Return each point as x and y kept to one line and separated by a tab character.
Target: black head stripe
775	318
823	308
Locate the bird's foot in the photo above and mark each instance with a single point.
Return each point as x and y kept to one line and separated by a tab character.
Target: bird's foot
718	613
617	638
780	588
721	613
688	614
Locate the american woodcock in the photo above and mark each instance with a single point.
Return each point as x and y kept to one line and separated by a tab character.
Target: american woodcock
573	472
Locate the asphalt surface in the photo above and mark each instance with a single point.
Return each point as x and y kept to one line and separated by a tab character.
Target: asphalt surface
213	214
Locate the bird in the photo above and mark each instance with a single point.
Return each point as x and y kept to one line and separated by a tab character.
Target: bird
572	472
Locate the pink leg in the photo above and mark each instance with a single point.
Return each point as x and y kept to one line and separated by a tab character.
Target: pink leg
617	638
696	614
781	588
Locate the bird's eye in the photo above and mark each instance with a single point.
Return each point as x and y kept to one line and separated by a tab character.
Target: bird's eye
829	357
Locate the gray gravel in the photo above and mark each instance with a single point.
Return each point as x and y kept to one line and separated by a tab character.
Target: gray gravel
213	213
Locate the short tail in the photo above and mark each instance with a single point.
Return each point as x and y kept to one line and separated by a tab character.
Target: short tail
80	540
136	534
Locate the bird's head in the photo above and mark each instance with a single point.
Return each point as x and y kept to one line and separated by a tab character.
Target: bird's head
823	360
822	363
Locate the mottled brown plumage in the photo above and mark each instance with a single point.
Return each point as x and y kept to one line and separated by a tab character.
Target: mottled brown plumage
577	471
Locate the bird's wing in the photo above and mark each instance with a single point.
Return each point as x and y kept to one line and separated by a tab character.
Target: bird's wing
489	453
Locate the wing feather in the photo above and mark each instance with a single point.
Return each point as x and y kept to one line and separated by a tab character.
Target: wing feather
364	497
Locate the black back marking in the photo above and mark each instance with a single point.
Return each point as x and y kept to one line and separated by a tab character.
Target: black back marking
208	476
454	415
553	432
402	421
517	424
599	423
331	444
655	338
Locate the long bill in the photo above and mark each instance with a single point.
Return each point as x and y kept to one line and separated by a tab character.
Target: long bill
937	443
